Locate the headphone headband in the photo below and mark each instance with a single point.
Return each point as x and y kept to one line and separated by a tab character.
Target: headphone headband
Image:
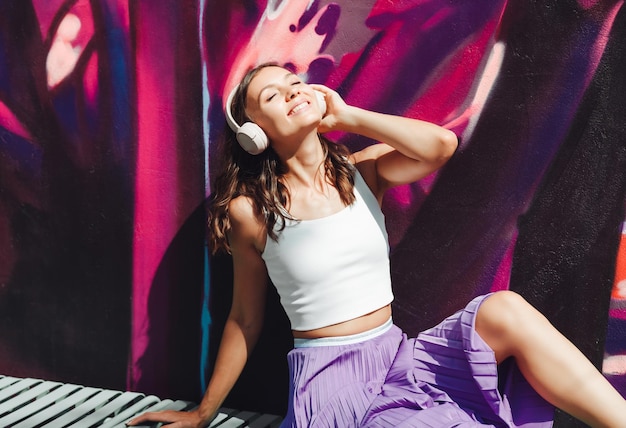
229	117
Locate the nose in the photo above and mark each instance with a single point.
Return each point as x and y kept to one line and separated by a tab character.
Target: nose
293	92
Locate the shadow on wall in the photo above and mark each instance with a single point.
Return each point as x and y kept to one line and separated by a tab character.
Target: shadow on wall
170	364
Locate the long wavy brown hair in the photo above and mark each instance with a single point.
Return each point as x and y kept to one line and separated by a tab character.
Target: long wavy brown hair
259	177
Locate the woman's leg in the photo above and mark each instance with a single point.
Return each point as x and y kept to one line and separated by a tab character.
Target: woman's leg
557	370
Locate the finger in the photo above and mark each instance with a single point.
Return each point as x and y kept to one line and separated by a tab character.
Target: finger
323	127
164	416
321	88
139	420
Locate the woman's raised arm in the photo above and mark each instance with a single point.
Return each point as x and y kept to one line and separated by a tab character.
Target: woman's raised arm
412	148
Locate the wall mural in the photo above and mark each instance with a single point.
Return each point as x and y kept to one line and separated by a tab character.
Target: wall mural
110	112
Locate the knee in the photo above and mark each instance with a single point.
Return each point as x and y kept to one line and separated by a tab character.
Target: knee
500	319
505	309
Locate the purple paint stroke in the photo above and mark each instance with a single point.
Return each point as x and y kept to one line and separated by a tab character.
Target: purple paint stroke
465	228
397	64
425	42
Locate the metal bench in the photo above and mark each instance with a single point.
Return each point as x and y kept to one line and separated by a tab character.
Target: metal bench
36	403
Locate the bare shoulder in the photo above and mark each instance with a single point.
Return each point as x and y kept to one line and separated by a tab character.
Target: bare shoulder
246	225
241	209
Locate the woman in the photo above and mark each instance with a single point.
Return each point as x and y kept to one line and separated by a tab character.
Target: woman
306	213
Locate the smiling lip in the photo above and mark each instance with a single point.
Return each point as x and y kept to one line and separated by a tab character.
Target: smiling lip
298	107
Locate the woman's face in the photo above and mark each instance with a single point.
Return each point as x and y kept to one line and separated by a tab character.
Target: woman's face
282	105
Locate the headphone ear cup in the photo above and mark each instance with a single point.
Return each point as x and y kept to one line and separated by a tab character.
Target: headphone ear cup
252	138
321	101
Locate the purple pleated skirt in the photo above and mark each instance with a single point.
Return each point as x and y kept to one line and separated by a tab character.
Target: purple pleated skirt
446	377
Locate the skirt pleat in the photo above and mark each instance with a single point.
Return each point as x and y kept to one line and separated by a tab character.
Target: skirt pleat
446	377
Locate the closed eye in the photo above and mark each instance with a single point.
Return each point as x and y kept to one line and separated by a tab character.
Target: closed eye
273	95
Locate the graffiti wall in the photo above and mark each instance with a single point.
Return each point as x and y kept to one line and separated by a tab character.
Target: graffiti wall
111	111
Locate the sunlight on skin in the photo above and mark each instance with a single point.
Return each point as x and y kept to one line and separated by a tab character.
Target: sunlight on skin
299	48
63	54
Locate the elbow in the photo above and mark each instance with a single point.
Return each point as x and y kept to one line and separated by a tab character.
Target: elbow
250	327
252	334
448	143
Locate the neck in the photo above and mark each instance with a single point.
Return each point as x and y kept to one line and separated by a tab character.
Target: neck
306	165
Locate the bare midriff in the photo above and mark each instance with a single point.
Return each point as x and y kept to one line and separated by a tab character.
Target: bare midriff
346	328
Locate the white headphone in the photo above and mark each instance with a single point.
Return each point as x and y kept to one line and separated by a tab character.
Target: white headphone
250	135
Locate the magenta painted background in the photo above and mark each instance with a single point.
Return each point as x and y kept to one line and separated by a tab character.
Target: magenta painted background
110	112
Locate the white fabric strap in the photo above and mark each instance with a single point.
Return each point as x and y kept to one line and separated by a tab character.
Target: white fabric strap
344	340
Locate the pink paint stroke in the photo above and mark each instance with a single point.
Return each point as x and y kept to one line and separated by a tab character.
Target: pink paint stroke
273	40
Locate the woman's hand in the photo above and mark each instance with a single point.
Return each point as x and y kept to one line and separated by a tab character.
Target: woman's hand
337	111
411	148
175	419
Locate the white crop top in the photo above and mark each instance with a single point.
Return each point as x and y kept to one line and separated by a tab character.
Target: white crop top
334	268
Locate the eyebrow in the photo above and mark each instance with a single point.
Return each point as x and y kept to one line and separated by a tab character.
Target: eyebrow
271	85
